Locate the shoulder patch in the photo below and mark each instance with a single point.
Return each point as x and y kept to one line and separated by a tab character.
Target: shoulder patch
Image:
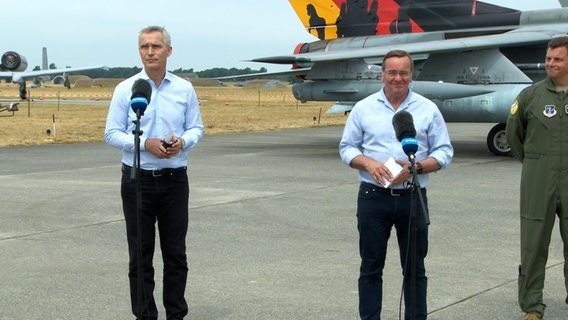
515	107
549	110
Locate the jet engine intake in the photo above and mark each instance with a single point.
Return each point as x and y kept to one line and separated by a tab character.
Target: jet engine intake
13	61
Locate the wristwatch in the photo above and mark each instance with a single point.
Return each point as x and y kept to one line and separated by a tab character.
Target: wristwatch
419	168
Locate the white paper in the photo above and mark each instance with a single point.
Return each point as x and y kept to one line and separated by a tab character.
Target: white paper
394	168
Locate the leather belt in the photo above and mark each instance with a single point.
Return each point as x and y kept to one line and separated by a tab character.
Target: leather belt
155	173
391	191
394	192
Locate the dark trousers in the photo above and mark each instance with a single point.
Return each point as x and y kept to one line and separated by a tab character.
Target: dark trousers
165	200
377	213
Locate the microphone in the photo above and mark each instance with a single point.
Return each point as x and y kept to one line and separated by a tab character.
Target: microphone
405	132
141	94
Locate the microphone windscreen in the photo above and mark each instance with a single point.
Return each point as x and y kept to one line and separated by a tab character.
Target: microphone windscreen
141	88
409	145
403	125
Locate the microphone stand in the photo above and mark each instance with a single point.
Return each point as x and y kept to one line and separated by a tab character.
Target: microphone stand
414	189
135	174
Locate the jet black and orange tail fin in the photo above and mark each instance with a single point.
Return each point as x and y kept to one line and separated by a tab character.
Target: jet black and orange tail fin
330	19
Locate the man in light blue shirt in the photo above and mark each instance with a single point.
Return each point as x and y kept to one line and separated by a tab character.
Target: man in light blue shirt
173	112
368	141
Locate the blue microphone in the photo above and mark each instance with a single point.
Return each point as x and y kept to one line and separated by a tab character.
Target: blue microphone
409	145
141	94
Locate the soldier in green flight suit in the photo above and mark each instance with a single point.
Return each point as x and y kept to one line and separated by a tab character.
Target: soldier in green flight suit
537	131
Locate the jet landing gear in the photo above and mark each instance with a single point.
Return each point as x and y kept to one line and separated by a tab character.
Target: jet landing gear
23	91
497	141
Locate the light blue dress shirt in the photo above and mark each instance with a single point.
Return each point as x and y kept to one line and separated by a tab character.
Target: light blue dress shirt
173	107
369	131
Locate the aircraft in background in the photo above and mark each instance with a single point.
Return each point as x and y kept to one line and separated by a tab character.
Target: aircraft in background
471	58
13	66
59	79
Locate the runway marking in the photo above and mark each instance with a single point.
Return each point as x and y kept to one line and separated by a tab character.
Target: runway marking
488	290
55	171
27	235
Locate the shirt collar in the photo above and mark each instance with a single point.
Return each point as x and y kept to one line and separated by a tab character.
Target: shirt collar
143	75
409	99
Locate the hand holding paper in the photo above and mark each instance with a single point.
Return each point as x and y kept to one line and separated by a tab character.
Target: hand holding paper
394	168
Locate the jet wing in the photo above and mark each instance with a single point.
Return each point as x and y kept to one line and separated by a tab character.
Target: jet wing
292	72
524	36
18	77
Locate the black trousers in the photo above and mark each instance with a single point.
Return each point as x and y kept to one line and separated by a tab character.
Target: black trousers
377	213
165	200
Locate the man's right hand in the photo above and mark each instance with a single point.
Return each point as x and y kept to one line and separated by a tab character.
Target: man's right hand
154	146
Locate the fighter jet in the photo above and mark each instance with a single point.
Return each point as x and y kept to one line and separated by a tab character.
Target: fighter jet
471	58
13	66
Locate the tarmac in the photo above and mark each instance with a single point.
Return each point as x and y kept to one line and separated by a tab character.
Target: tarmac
272	232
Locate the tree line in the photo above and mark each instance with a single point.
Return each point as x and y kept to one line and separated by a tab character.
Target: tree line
122	72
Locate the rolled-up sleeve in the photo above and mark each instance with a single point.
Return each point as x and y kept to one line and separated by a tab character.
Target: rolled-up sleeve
352	139
119	127
193	124
439	140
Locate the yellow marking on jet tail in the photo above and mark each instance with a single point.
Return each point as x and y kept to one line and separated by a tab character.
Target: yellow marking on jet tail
318	17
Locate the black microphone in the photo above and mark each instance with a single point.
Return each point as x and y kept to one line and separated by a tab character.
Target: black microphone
141	94
405	132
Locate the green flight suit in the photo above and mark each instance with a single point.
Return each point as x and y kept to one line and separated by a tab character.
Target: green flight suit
537	131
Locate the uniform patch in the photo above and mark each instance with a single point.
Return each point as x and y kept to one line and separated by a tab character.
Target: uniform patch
515	107
549	110
566	108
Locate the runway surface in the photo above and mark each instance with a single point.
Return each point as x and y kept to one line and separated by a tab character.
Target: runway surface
272	232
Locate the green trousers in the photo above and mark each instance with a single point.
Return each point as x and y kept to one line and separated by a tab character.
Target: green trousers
535	240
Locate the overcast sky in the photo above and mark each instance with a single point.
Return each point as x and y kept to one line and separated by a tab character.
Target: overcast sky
205	34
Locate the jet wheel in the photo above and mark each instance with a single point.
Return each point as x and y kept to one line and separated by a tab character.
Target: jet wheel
497	141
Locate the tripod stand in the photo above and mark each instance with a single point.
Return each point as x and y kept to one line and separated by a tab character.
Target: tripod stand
135	174
415	189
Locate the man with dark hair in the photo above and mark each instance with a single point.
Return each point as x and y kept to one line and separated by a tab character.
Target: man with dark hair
537	131
385	199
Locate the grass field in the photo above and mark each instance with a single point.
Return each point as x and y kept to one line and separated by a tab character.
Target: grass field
224	110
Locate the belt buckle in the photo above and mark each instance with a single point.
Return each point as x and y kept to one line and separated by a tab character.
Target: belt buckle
157	173
393	193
